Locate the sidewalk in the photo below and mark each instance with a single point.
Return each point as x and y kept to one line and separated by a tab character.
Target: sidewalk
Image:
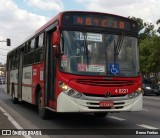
5	123
8	117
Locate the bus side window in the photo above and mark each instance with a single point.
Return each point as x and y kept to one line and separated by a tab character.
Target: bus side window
16	58
29	52
39	48
12	62
41	40
25	52
28	47
25	48
32	45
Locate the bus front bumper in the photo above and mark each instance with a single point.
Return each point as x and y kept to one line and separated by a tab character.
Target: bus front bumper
67	103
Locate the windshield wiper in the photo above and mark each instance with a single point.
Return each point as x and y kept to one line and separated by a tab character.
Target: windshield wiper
86	47
118	46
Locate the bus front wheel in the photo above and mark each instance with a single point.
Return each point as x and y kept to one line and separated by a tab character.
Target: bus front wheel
41	109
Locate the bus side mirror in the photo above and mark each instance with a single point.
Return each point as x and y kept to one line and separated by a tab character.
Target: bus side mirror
56	38
56	42
8	42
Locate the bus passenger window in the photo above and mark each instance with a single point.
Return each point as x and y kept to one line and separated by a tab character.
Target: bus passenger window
39	48
41	40
28	47
32	45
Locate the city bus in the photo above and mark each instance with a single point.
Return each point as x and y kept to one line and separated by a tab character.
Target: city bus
78	62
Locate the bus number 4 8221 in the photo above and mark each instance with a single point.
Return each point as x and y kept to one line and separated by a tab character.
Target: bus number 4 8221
121	91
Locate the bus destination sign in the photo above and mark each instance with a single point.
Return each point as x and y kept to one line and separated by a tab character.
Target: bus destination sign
106	21
93	21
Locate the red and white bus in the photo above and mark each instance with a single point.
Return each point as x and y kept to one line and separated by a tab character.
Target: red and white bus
78	62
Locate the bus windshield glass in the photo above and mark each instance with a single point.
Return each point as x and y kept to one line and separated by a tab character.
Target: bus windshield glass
99	54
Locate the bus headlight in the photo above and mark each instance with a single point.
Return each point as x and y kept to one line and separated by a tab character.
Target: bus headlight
74	93
149	88
69	91
135	94
64	87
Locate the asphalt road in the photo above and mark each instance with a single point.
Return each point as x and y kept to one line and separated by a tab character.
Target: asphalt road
26	115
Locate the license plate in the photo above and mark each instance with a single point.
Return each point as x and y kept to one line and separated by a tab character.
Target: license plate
106	104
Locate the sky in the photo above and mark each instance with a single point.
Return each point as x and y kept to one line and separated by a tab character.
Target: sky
20	18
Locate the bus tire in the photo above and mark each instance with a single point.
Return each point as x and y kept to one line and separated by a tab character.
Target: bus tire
101	115
43	113
14	99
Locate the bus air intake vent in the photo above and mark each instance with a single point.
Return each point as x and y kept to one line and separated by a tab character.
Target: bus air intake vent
105	83
103	95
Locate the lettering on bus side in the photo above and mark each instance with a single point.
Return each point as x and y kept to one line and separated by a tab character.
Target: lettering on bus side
34	72
27	75
41	75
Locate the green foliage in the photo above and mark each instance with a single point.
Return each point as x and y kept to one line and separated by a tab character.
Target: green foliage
150	55
149	43
145	29
158	22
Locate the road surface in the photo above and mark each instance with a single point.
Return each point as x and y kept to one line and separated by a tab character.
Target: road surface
26	115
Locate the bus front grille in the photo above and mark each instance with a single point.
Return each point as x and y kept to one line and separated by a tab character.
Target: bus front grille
106	83
102	95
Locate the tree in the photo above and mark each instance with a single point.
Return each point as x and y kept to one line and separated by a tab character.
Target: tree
149	44
149	55
158	22
145	29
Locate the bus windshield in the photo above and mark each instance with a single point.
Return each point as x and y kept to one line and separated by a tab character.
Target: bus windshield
87	53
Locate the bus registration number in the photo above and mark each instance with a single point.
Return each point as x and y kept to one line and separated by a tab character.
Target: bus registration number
121	91
106	104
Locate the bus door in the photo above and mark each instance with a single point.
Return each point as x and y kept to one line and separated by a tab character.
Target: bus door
50	68
20	73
